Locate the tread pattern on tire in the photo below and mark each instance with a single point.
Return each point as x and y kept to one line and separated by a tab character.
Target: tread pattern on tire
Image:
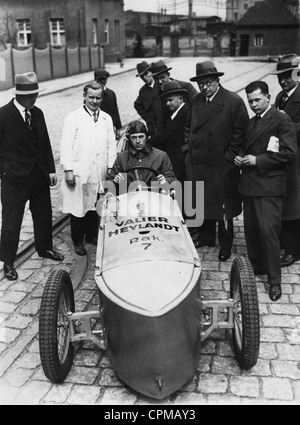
58	281
247	355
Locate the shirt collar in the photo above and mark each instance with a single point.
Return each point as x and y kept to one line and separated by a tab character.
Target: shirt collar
91	113
289	93
211	98
177	110
264	113
20	108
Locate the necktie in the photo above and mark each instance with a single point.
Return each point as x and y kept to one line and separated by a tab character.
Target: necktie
28	120
283	100
207	101
95	116
256	121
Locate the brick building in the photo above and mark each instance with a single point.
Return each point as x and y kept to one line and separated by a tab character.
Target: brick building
71	23
270	27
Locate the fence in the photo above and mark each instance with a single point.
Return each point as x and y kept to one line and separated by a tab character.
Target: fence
48	63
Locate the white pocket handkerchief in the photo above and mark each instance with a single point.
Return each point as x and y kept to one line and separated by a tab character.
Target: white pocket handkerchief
273	145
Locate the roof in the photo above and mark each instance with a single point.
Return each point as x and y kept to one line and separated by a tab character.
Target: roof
268	13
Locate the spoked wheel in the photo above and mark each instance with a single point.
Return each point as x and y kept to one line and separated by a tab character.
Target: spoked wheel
56	350
246	332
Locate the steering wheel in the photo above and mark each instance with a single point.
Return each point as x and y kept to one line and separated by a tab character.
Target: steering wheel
138	180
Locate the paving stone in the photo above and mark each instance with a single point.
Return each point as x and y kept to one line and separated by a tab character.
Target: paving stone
186	398
58	394
3	347
115	396
109	379
286	369
271	335
87	358
7	308
264	298
18	322
224	400
31	264
28	361
278	321
208	347
226	365
293	336
225	349
295	298
262	368
209	383
21	286
289	352
83	375
17	377
8	335
8	395
268	351
33	392
244	386
211	285
14	297
288	309
204	363
32	307
24	275
296	386
3	317
276	388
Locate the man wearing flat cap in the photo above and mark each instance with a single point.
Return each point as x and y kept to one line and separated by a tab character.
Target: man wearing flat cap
161	75
144	102
109	100
215	128
288	100
27	170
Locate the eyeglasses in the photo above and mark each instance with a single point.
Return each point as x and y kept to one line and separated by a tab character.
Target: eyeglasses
206	83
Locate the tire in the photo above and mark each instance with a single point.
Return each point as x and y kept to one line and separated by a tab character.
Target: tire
56	350
246	331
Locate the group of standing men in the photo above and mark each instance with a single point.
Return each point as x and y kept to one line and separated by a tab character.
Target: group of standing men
250	163
208	137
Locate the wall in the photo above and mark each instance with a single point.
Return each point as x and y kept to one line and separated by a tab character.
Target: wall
49	63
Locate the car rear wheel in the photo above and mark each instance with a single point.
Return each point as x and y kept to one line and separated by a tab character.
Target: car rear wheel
246	331
56	350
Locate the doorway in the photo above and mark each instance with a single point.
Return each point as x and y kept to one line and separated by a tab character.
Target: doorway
245	43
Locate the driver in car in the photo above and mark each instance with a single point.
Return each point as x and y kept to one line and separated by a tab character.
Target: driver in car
140	153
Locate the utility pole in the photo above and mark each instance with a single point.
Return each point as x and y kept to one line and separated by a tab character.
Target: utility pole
190	16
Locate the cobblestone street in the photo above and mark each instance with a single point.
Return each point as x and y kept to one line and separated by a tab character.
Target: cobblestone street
219	380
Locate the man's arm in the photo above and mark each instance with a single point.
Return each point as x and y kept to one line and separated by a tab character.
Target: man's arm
240	121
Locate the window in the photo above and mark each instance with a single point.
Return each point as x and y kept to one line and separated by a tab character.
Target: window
258	40
246	6
106	31
117	31
57	32
95	31
24	32
236	16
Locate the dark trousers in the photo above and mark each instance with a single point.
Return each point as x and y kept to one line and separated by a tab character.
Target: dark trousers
262	224
35	188
207	233
290	236
84	227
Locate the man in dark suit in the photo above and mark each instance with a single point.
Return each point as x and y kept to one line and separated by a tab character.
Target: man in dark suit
161	75
269	146
172	139
27	169
215	128
288	100
109	100
144	102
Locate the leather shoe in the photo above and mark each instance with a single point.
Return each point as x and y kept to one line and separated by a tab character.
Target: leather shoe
10	272
53	255
79	249
93	241
199	244
275	292
288	259
224	255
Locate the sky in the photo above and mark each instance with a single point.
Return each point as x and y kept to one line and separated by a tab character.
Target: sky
179	7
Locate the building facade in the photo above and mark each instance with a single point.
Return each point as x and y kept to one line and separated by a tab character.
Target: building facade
270	27
68	23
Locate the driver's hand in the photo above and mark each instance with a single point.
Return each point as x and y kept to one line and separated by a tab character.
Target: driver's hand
161	179
119	177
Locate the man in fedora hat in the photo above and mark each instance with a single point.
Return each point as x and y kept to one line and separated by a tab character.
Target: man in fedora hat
288	100
144	102
214	131
161	75
109	102
27	169
172	139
